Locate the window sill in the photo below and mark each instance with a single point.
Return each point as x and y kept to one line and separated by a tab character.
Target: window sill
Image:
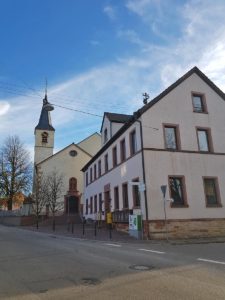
179	205
200	112
214	205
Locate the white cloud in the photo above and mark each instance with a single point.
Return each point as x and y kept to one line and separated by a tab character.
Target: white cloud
117	86
4	107
131	36
139	6
110	11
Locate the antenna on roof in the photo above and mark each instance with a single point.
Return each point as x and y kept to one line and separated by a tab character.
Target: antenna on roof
46	87
46	105
145	98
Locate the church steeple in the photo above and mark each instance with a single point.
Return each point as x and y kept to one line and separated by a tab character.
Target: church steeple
45	118
44	133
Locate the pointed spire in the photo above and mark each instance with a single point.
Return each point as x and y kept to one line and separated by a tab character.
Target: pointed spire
45	117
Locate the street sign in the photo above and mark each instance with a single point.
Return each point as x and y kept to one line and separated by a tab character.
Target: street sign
163	189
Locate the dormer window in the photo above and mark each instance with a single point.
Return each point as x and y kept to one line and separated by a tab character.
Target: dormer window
44	136
105	135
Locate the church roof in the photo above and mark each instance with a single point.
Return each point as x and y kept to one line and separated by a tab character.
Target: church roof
45	118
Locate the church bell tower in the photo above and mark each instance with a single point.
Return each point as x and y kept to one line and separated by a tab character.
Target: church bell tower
44	133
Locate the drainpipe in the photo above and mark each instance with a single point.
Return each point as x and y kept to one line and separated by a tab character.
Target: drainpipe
144	177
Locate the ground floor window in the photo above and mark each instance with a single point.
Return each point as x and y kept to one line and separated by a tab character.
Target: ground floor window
100	201
95	204
116	198
177	190
86	207
125	195
136	194
211	192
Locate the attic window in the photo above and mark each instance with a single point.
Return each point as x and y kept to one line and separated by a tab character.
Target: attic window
199	103
44	136
73	153
105	135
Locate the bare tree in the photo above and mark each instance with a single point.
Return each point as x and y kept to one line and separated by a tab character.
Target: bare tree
39	196
54	193
15	169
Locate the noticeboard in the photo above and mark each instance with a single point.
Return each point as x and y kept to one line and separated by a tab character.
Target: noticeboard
135	222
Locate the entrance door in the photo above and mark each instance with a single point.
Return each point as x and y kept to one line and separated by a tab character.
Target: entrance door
72	206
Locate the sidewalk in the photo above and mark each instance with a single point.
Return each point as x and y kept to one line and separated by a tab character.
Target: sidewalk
103	234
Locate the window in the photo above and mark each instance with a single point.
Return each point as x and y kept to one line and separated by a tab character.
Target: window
106	163
73	184
199	104
105	135
125	195
95	172
91	175
86	178
114	155
211	192
171	137
133	143
122	150
95	204
116	198
91	205
177	190
136	194
44	136
86	207
73	153
100	201
99	168
204	140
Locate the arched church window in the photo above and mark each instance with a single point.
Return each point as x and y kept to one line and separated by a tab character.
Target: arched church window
44	136
73	184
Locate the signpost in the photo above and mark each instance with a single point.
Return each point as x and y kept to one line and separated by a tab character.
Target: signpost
163	189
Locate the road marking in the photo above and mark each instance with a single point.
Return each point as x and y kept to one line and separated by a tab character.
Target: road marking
212	261
114	245
153	251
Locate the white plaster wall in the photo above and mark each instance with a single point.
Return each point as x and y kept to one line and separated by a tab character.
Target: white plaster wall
124	172
91	144
67	165
116	127
106	124
43	150
159	165
176	108
116	177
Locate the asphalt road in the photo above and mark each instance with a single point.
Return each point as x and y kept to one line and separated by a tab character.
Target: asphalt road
37	265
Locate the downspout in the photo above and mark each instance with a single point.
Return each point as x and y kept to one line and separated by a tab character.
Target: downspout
144	177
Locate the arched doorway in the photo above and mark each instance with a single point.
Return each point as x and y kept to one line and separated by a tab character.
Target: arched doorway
72	205
72	199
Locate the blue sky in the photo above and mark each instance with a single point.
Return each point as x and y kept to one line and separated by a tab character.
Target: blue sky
99	55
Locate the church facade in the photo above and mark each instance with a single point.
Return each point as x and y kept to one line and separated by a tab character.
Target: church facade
67	162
